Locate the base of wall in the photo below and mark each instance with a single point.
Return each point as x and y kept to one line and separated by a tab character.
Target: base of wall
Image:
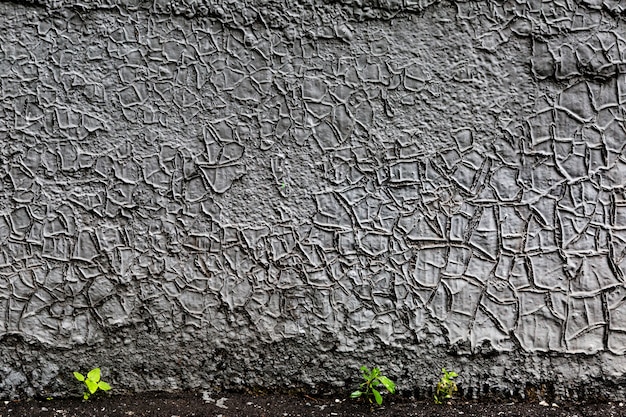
300	364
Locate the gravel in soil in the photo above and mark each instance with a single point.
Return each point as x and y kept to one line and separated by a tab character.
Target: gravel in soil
231	404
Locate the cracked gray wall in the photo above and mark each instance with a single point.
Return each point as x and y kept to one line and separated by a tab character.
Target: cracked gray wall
273	193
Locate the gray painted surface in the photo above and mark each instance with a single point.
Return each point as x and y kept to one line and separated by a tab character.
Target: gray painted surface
274	193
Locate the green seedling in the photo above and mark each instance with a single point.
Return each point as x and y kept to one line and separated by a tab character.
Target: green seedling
369	388
92	382
446	387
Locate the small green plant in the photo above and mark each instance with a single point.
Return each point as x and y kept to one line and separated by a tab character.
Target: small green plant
446	387
369	387
92	382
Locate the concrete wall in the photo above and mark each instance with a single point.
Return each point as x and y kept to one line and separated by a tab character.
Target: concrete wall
272	193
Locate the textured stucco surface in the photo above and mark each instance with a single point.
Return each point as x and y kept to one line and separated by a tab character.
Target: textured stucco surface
273	193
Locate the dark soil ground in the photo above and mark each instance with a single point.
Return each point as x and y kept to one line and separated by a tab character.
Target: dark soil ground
231	404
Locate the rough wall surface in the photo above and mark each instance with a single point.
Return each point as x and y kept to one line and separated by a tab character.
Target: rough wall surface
275	192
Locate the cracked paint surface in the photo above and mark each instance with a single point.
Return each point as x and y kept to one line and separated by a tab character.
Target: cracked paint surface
438	172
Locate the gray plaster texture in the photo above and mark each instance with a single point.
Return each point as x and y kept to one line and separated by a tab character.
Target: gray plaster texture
273	193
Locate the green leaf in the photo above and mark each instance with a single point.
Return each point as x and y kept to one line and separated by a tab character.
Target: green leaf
375	382
104	386
85	396
356	394
79	376
94	375
377	397
91	385
388	383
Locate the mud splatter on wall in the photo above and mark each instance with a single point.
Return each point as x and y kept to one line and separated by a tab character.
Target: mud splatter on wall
352	176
